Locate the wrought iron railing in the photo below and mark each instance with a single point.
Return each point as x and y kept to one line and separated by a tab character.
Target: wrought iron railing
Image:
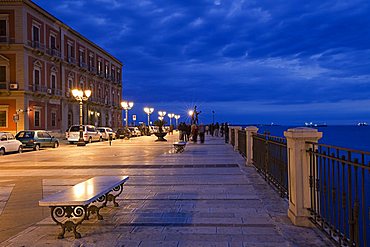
242	143
232	137
340	205
270	159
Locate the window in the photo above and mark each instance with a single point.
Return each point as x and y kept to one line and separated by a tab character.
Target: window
99	67
70	83
3	28
91	61
113	73
2	74
82	56
70	50
70	118
36	76
53	119
53	81
37	118
53	42
106	70
35	33
3	118
118	75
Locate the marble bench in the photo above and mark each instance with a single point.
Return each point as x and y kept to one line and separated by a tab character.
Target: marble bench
69	208
179	147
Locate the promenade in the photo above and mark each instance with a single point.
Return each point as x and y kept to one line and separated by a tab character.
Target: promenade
204	196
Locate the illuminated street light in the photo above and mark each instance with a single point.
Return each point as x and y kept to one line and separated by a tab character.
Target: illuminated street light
170	115
162	113
81	96
148	111
127	106
177	119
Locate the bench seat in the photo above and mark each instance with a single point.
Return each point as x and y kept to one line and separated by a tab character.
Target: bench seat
69	208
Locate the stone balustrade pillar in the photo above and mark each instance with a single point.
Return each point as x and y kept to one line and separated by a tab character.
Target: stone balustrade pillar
236	129
250	131
299	172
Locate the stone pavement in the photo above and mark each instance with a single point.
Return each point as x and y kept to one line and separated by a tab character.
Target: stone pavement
204	196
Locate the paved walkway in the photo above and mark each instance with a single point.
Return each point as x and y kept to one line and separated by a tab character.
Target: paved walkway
202	197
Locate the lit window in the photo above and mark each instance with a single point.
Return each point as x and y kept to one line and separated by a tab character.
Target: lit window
37	118
3	118
53	119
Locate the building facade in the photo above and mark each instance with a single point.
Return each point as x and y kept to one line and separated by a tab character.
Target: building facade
41	61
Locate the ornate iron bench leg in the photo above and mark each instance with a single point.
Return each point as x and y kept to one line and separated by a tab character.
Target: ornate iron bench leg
69	218
113	194
96	206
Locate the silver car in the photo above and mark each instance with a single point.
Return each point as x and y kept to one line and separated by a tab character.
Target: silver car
8	143
90	134
105	131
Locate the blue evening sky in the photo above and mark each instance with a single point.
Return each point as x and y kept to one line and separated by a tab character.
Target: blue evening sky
251	61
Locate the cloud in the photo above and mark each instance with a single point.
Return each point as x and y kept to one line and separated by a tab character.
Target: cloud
276	56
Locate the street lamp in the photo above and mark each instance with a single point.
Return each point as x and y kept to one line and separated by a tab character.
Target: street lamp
127	106
177	119
161	115
148	111
81	96
170	115
213	117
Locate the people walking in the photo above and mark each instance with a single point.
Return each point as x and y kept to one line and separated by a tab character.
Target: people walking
216	129
194	133
226	133
201	132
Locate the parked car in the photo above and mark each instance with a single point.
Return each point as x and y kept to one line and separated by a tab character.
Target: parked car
8	143
122	133
105	131
90	133
134	131
37	139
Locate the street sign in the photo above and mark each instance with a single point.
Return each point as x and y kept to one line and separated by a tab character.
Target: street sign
15	117
134	117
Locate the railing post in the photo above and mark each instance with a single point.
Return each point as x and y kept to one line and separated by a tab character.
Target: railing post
250	131
299	173
236	133
230	131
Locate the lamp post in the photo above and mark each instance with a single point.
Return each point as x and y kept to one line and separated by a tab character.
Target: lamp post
127	106
162	114
170	115
177	119
81	96
148	111
213	117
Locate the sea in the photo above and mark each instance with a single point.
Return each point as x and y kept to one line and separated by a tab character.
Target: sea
346	136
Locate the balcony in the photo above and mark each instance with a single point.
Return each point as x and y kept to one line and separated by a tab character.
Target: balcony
100	74
37	45
37	88
83	65
7	40
54	53
92	70
71	60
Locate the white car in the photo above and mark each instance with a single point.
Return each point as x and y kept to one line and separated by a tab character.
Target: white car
90	134
8	143
134	131
105	131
